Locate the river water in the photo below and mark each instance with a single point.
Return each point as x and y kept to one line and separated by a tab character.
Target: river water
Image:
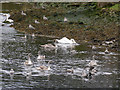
15	50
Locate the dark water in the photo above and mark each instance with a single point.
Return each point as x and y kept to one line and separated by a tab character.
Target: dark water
15	50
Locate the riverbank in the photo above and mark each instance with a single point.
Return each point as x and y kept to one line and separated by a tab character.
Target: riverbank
87	22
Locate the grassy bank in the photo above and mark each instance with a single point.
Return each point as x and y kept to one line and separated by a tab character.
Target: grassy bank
92	22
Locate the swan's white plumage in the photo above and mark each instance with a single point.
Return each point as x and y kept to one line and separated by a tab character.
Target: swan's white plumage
45	18
65	19
7	18
66	41
37	22
22	13
106	51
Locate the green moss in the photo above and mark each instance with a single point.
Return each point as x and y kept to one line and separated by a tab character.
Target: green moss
115	7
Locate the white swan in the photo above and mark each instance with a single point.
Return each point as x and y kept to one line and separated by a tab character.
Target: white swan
70	70
24	36
65	19
9	20
44	67
109	42
31	27
45	18
12	71
33	35
93	62
106	51
49	46
65	40
37	22
22	13
93	47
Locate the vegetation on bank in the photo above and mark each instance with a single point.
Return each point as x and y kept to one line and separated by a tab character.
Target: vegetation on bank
96	22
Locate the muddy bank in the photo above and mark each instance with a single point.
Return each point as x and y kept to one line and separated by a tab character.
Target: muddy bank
87	22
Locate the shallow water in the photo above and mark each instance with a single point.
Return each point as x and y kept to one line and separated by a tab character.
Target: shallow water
15	50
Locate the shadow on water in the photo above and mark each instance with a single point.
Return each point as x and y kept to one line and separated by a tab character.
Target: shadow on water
15	50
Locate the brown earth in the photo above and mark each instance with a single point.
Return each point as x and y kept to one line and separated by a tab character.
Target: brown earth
98	31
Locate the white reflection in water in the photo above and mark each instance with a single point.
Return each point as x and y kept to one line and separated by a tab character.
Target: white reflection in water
11	76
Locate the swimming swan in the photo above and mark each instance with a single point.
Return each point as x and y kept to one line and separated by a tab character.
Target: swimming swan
50	46
40	56
70	70
93	62
12	71
65	19
106	51
28	62
44	67
9	20
24	36
65	40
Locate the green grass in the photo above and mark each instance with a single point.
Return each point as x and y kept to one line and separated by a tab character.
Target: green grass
115	7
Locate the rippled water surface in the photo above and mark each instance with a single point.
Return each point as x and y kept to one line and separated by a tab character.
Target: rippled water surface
15	50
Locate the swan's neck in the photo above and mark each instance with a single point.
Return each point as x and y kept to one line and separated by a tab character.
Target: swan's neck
25	36
49	68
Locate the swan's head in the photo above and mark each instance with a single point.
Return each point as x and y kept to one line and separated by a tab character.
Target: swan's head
93	63
73	41
50	61
29	25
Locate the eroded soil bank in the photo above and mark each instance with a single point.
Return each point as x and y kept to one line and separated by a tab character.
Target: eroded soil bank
87	22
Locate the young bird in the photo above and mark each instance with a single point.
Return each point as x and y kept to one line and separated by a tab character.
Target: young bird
45	67
40	57
106	51
65	19
28	62
22	13
48	46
